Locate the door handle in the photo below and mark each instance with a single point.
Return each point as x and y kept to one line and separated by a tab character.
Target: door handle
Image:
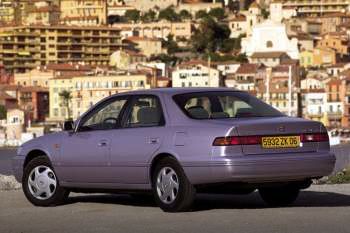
153	140
102	143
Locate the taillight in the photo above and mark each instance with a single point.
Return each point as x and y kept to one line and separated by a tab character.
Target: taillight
237	140
314	137
256	140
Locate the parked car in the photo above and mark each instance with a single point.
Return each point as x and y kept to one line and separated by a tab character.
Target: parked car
174	143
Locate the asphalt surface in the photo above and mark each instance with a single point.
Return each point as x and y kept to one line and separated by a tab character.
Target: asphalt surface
321	208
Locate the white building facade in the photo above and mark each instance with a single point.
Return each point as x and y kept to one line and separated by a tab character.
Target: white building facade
270	36
196	76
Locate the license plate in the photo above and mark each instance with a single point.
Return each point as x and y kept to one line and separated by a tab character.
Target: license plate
280	142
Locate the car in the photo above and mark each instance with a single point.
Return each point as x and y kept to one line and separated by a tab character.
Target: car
174	143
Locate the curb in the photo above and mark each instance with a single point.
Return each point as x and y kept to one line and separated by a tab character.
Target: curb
9	183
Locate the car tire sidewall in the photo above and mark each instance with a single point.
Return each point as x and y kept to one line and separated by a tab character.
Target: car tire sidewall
186	192
57	198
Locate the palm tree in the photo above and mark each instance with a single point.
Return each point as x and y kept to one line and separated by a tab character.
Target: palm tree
66	98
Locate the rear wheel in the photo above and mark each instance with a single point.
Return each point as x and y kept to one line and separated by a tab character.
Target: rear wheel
40	184
279	196
172	190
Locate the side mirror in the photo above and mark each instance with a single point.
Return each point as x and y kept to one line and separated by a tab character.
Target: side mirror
68	125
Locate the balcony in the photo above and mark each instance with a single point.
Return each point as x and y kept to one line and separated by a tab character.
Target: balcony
334	115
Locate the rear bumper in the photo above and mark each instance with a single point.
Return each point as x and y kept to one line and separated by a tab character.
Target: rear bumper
263	168
17	167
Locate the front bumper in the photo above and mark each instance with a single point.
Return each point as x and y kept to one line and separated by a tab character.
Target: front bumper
17	167
263	168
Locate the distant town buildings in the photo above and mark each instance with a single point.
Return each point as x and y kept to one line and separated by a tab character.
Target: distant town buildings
60	57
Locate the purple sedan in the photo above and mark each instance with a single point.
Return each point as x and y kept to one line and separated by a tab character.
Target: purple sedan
177	142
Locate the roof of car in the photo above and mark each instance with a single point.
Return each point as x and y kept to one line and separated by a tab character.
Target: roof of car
179	90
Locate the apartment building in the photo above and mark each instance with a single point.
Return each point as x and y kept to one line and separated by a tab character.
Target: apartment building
26	47
160	29
87	90
45	15
318	57
334	105
195	74
34	101
83	12
7	11
315	7
337	41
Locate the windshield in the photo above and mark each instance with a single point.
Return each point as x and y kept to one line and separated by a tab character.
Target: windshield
218	105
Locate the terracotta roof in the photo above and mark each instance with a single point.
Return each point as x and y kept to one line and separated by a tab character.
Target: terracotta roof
67	67
247	68
280	68
136	38
34	89
268	54
238	18
5	96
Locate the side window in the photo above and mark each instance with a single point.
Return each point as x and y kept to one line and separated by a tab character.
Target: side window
235	107
106	117
199	107
145	112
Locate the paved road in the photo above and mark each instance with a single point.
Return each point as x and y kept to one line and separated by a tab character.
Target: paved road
320	209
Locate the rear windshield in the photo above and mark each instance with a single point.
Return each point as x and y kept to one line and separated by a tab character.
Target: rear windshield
217	105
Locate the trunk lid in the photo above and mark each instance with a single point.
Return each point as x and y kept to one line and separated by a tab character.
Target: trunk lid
275	126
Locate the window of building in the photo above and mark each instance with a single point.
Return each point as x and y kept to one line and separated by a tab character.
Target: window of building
269	44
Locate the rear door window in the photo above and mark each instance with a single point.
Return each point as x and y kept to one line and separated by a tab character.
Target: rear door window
145	111
216	105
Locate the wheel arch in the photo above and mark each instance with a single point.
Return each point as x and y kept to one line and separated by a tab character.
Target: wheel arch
156	160
34	154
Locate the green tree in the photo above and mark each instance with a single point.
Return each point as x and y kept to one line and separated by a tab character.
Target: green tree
132	15
66	99
169	14
232	44
149	16
210	36
218	13
242	58
3	112
170	44
201	14
184	14
265	13
166	58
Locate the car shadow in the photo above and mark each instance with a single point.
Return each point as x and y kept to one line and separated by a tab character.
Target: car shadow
218	201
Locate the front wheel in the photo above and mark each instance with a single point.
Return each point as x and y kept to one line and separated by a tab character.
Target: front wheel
279	196
172	190
40	184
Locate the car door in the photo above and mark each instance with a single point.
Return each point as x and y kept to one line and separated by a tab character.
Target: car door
85	153
138	139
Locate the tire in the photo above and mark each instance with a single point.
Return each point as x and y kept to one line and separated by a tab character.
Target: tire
281	196
39	177
176	198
